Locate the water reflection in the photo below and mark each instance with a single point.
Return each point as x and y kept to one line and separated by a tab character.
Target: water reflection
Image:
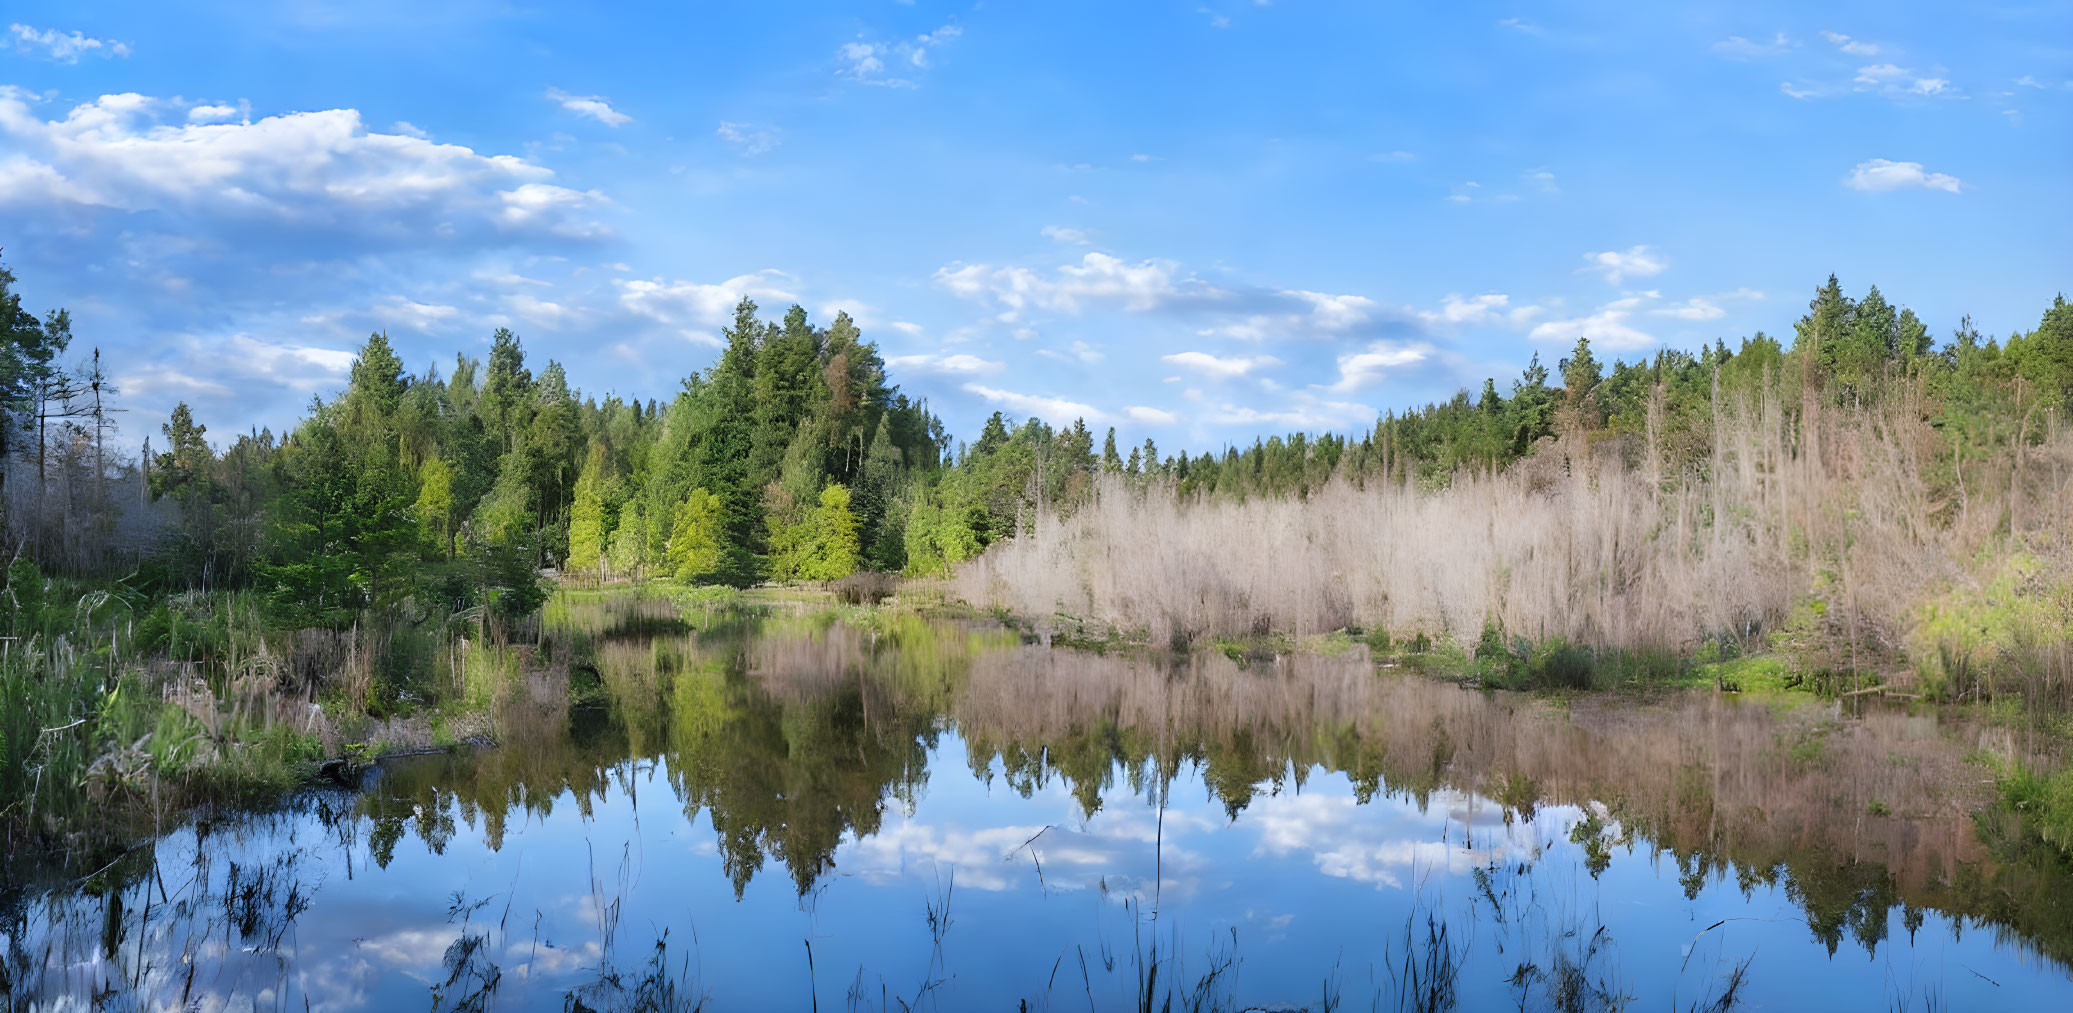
1283	831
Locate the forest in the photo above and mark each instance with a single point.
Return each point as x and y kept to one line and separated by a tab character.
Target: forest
406	531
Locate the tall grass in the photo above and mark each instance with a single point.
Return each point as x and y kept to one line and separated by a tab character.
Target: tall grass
1827	528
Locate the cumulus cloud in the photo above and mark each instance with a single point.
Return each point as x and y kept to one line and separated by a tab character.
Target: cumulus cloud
1068	236
1055	410
1302	410
415	315
216	366
1365	368
595	107
748	138
1220	367
1377	845
1607	327
312	173
1097	280
1900	83
1879	175
1636	262
1151	416
697	310
1481	310
1706	307
61	47
943	365
1299	313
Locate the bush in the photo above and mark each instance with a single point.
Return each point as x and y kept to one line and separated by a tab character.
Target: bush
864	587
1558	664
2043	802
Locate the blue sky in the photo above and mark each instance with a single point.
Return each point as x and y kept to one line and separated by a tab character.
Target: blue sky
1192	221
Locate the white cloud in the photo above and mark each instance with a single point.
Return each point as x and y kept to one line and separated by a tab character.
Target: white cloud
1896	82
696	310
219	366
1334	312
1739	48
169	384
943	365
1379	846
313	173
1304	411
533	309
541	205
1361	369
1221	367
1541	178
1151	416
1057	411
1798	93
1069	236
593	106
1854	47
1482	310
211	113
1308	314
748	138
1698	307
866	62
415	315
977	859
1636	262
1079	352
1879	175
62	47
1098	279
1607	327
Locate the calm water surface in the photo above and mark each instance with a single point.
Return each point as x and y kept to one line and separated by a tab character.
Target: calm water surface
794	813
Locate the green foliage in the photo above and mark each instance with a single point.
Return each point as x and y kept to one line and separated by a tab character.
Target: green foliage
629	541
2042	801
833	552
1982	637
695	547
435	507
587	519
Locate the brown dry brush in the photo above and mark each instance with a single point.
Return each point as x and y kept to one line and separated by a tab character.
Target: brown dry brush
1582	541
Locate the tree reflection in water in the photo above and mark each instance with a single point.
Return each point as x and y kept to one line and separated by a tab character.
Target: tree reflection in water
793	738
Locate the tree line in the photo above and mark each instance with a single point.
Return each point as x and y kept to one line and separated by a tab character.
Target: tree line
794	457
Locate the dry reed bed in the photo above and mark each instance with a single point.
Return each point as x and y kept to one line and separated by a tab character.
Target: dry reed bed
1699	772
1573	542
1702	771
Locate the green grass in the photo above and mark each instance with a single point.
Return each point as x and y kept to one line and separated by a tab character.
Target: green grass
2042	802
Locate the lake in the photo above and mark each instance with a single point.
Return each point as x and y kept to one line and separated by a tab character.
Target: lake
896	813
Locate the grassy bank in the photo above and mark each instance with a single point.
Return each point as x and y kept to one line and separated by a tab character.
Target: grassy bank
122	708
